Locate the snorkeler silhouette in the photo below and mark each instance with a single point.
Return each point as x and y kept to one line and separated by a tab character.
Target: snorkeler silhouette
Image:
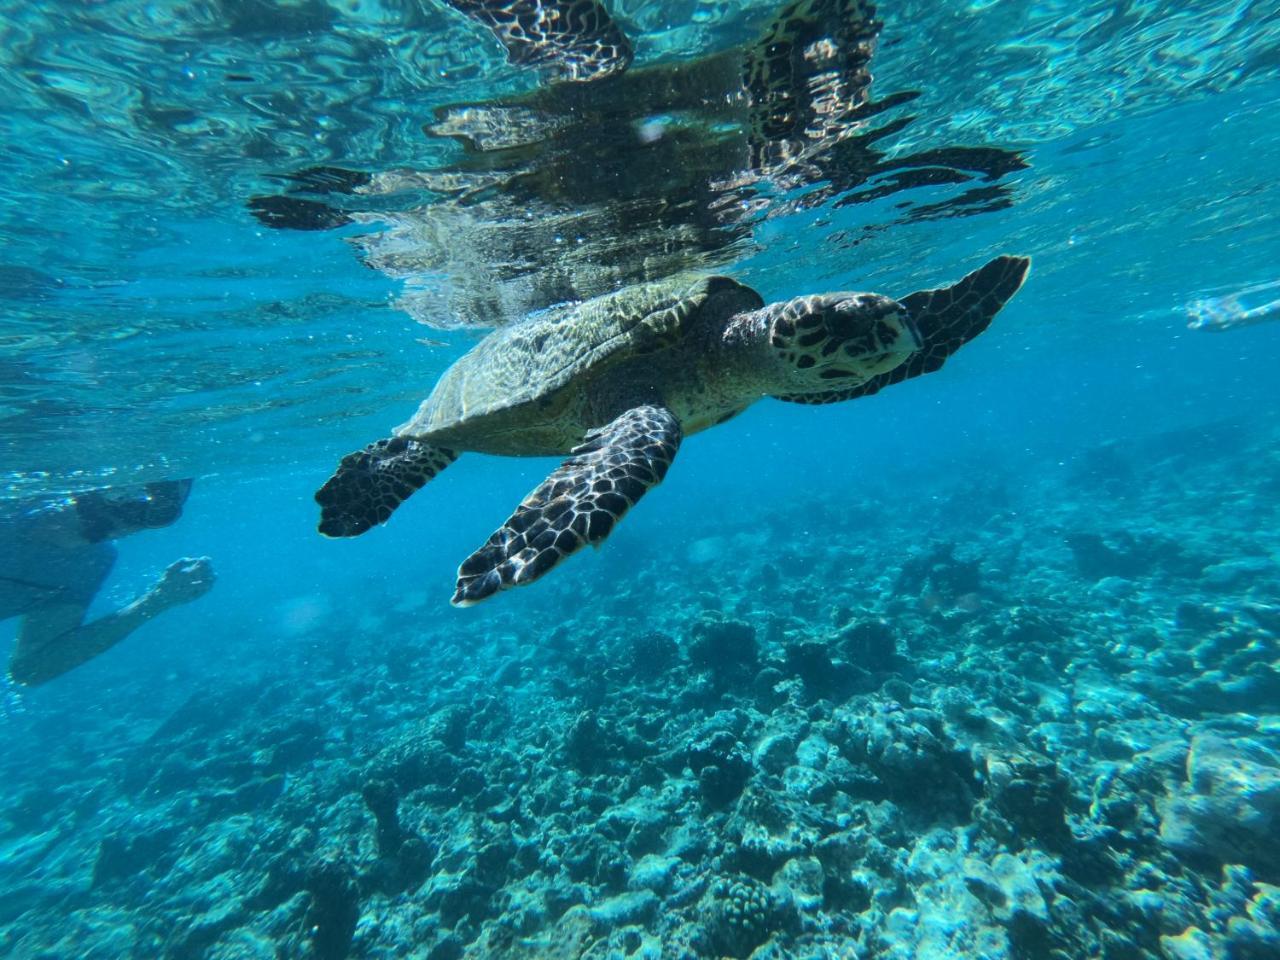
55	558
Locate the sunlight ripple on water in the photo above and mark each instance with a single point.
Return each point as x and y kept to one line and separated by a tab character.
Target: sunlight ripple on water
139	286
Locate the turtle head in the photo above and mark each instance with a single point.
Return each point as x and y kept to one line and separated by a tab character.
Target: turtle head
832	341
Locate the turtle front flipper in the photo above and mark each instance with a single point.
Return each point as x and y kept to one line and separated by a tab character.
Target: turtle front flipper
370	483
578	504
949	317
576	39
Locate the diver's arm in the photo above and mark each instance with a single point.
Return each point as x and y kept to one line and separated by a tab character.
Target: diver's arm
54	639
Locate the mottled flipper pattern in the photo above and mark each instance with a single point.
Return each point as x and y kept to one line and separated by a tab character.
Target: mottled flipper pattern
577	505
576	39
370	483
946	319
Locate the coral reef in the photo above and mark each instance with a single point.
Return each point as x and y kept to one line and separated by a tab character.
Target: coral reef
1037	734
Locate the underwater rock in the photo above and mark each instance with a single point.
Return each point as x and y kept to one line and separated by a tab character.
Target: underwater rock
285	877
1031	793
654	872
721	766
1124	796
592	860
637	824
207	710
768	688
335	907
1200	616
447	947
1255	690
413	860
692	841
1234	573
1192	944
418	758
504	856
585	743
1114	588
1007	885
651	654
1228	809
1027	628
1230	643
449	726
1256	934
1128	556
723	645
910	755
1097	558
869	644
456	896
918	570
810	661
720	783
775	752
636	907
960	899
1243	924
407	856
121	858
1265	616
739	914
199	931
949	588
803	879
955	578
286	746
383	801
770	828
770	577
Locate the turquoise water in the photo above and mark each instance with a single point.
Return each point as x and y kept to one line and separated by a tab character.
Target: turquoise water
242	239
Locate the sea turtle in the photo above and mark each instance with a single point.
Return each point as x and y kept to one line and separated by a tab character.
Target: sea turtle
616	382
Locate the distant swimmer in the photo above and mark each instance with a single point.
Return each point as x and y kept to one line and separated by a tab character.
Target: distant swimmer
55	558
1232	311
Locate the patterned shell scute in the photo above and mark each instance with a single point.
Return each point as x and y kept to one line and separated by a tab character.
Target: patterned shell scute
531	360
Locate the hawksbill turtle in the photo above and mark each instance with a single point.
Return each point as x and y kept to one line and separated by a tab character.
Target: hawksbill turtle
618	381
618	173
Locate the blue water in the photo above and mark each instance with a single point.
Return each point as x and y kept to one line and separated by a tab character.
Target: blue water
202	788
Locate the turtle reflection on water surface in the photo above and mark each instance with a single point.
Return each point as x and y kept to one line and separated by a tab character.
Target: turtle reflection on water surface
618	173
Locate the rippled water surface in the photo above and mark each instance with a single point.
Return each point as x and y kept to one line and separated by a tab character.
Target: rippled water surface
984	666
150	293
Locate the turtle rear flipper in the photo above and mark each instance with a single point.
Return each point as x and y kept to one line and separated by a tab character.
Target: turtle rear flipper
576	39
945	319
370	483
578	504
